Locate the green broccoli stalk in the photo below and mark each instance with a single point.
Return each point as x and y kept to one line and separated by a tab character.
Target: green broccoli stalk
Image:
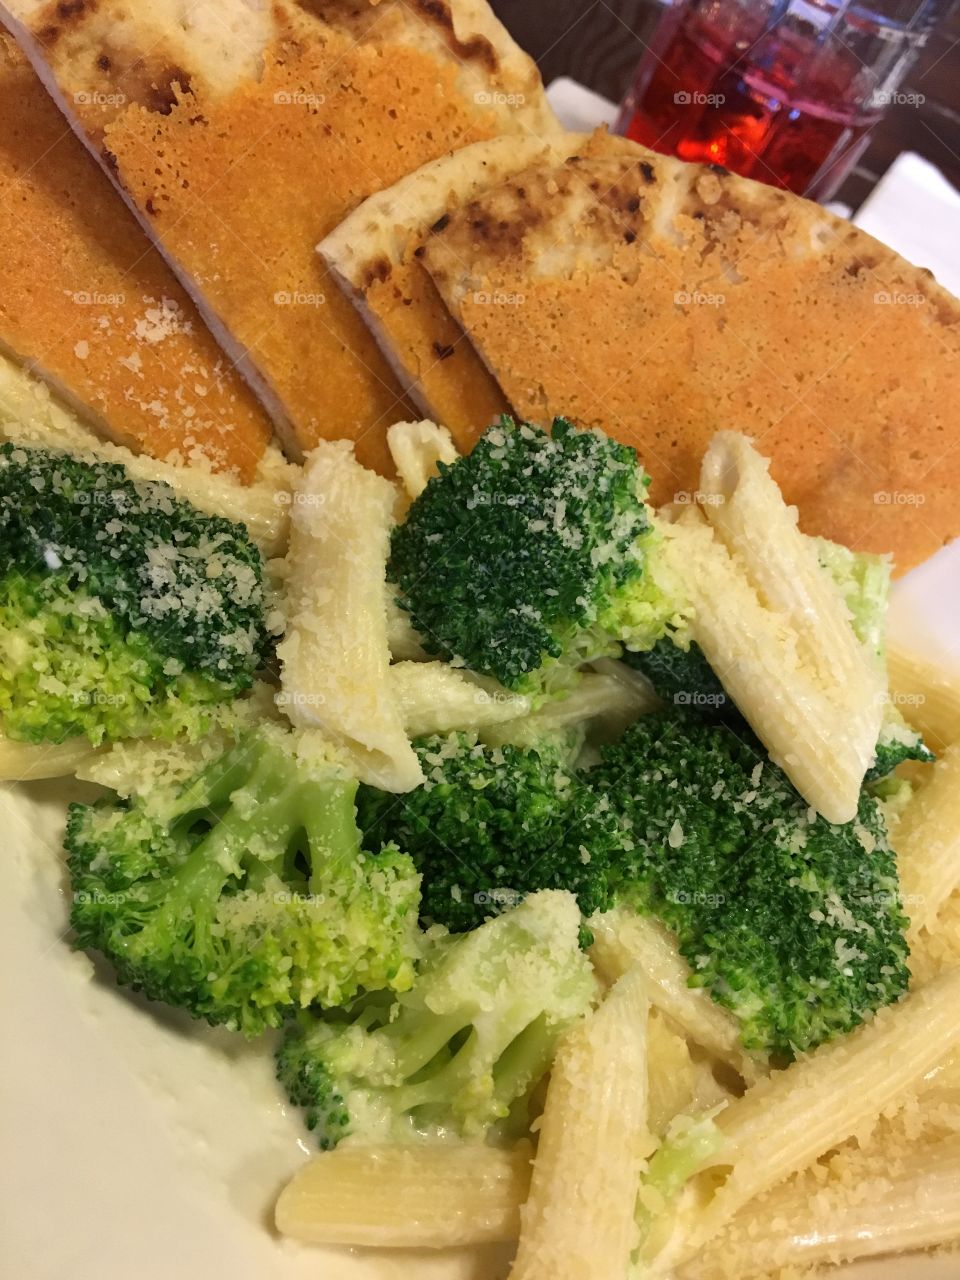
689	1142
463	1050
243	894
792	923
532	555
123	610
491	824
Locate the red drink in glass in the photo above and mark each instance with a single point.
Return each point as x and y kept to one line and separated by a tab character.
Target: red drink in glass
785	93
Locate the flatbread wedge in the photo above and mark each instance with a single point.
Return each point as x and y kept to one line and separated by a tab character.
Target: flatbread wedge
375	256
92	307
242	133
663	301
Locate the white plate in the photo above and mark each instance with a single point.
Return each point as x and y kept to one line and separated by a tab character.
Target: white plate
148	1147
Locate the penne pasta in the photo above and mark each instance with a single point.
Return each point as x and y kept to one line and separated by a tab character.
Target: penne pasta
928	697
807	729
433	1196
784	1123
927	840
803	1224
436	698
676	1082
579	1220
335	654
31	761
744	505
416	449
403	639
622	938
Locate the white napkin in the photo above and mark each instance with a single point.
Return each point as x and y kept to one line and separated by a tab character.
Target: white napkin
915	210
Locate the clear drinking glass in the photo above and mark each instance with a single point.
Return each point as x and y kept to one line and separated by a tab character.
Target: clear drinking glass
783	92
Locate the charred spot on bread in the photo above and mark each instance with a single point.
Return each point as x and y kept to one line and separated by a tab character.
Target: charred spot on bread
376	271
475	49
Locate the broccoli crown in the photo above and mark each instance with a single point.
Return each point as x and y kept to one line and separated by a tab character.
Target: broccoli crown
463	1050
791	922
490	824
683	677
243	893
529	553
123	610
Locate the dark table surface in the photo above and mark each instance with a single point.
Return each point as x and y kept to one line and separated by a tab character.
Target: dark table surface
599	43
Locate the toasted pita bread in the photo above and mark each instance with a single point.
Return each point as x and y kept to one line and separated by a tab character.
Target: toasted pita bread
94	309
241	134
374	255
664	301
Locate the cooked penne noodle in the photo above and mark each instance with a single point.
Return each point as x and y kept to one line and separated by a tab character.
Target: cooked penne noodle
31	416
436	698
335	656
927	840
928	697
784	1123
434	1196
622	938
802	1224
596	699
416	448
579	1221
31	761
677	1083
403	639
744	505
807	729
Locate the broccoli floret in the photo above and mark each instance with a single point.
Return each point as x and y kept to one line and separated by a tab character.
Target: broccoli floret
243	893
793	923
491	824
532	555
864	582
897	743
682	676
463	1050
123	610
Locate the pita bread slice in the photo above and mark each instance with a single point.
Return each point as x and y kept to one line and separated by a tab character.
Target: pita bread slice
241	134
93	308
375	256
664	301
